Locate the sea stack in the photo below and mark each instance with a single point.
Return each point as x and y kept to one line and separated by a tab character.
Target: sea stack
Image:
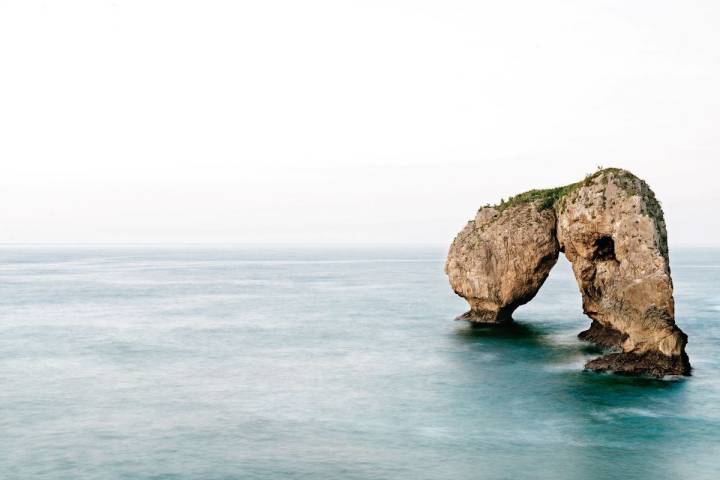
611	228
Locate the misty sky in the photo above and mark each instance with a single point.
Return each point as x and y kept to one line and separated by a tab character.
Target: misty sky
344	121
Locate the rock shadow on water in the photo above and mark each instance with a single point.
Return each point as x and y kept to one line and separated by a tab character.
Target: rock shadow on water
543	344
591	379
513	340
526	333
546	348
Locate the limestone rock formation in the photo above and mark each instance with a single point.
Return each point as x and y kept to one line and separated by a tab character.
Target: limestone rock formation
611	228
501	258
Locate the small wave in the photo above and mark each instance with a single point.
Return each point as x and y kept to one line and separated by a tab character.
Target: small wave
634	412
576	364
602	416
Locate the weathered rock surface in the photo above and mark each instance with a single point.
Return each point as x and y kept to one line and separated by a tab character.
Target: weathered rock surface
611	229
500	260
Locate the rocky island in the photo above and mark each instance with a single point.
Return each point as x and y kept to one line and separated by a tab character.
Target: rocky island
611	228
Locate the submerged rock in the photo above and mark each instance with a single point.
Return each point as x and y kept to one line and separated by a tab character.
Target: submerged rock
611	228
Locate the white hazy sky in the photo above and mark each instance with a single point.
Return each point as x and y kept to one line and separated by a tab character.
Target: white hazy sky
344	121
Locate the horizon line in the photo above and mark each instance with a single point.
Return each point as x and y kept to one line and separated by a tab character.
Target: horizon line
274	244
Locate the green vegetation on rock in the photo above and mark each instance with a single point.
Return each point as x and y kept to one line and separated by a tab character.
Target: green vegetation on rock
555	197
550	197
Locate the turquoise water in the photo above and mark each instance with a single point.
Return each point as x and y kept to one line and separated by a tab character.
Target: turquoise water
240	363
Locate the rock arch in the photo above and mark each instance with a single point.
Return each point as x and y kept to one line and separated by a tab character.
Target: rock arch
611	228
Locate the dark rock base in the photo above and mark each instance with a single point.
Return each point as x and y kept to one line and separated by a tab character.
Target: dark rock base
653	364
603	335
486	317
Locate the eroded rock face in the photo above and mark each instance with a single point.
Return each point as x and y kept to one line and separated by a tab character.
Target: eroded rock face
612	231
501	259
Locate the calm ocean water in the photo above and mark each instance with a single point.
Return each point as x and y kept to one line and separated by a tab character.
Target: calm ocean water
239	363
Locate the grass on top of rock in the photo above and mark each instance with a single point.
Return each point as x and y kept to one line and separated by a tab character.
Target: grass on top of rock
549	197
552	197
